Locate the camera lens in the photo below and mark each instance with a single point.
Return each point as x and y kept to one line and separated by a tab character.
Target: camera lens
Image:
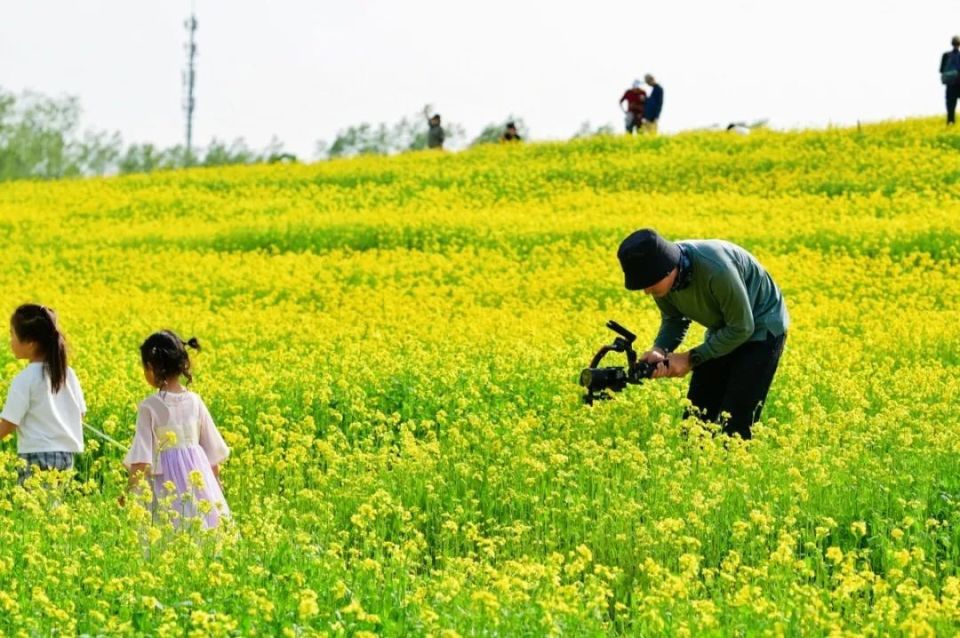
586	378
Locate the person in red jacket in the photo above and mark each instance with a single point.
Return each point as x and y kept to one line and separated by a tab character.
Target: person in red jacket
636	98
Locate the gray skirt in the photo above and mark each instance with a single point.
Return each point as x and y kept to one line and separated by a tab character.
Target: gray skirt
44	461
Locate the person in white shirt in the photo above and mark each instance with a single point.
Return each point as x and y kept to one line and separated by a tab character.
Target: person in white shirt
45	404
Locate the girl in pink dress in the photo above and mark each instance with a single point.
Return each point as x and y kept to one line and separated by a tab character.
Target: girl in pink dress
177	447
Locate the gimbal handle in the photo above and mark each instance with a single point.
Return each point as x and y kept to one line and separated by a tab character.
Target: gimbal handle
620	330
619	345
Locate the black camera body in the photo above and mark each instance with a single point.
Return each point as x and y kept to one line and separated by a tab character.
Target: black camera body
601	381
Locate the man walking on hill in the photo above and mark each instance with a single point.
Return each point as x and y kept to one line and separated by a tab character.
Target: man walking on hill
724	288
950	76
653	106
635	97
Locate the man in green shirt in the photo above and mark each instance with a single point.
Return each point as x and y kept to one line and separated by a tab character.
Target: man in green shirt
724	288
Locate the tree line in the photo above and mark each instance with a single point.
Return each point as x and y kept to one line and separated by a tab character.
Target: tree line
41	138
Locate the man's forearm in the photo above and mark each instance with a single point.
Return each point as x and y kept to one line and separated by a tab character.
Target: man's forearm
671	333
722	342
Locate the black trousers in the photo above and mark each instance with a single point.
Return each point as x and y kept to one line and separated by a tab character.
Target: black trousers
736	383
953	92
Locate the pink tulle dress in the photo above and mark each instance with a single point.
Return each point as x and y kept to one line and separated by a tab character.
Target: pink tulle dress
177	438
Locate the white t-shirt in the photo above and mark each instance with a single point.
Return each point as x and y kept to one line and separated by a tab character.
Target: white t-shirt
46	422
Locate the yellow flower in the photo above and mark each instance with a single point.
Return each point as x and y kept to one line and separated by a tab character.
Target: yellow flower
393	352
307	606
834	554
195	478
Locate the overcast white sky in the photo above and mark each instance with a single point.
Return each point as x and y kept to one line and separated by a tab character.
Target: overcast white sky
301	70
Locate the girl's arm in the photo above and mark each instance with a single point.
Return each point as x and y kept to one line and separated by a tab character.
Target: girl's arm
140	457
6	428
210	439
138	473
216	475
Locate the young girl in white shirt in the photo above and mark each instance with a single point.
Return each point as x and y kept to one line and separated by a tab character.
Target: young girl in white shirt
45	405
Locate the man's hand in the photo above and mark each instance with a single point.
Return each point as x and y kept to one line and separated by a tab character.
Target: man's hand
677	365
654	356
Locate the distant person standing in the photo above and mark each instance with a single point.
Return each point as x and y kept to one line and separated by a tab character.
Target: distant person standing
950	76
510	133
635	97
435	134
652	107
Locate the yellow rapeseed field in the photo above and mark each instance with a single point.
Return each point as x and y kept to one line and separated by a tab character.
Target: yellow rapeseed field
391	351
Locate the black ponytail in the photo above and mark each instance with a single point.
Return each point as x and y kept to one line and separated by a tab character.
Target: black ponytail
166	355
38	324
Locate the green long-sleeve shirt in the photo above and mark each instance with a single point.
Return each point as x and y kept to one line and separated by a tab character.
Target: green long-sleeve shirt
729	293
